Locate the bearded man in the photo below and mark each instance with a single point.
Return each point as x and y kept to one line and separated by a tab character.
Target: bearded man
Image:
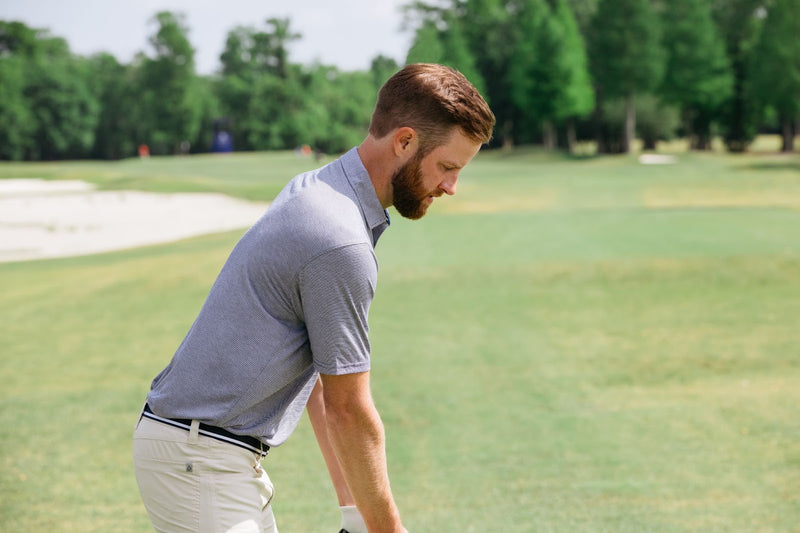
284	327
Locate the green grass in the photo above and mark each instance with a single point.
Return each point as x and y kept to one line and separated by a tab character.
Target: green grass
568	345
253	176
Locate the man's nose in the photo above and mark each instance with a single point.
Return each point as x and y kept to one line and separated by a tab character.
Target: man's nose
449	185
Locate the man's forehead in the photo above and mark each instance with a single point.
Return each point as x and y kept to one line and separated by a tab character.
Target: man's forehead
458	150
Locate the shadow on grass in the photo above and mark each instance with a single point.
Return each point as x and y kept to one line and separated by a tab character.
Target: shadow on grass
543	154
777	165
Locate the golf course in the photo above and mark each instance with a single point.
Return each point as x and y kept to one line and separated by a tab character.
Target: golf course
572	343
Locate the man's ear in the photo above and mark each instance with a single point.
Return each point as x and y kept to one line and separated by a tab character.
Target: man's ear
405	142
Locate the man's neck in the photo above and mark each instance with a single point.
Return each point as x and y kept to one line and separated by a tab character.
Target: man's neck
377	157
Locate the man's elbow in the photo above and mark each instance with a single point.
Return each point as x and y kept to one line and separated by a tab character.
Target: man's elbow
345	420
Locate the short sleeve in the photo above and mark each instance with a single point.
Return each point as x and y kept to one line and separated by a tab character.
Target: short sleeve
336	290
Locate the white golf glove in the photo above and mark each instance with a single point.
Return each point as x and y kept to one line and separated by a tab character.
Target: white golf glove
351	520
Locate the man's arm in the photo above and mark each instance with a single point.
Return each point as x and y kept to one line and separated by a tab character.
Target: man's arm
316	414
356	435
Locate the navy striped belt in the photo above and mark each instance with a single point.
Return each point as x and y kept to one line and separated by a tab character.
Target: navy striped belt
243	441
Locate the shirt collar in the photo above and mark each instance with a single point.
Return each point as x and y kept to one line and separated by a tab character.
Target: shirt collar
376	217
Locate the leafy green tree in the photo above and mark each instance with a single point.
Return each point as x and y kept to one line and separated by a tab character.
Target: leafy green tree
209	106
262	127
236	58
532	93
626	55
249	52
47	109
579	92
488	28
234	94
16	118
381	69
115	133
776	66
65	112
346	100
269	49
583	11
457	53
260	88
739	22
440	39
656	120
548	73
284	114
18	39
17	125
235	88
427	46
698	77
169	86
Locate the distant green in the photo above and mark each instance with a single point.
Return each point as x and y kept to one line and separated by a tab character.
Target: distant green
567	345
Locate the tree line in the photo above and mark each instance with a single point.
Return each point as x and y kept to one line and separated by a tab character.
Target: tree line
555	72
57	105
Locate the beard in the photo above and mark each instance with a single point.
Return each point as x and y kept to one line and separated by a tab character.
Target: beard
408	192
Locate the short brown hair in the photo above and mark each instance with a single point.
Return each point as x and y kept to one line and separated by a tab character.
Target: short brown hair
431	99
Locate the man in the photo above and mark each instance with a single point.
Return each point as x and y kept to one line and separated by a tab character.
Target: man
285	326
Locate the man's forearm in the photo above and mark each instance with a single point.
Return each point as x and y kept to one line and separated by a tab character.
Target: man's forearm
359	444
316	414
356	434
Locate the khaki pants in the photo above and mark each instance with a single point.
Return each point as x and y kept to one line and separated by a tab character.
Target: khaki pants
194	483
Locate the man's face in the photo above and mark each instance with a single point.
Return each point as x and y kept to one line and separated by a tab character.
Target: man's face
421	179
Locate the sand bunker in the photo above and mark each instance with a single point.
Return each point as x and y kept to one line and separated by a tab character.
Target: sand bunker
44	219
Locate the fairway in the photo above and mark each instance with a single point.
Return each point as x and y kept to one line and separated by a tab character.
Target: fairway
567	345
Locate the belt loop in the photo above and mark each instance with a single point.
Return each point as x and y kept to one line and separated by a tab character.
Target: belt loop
193	431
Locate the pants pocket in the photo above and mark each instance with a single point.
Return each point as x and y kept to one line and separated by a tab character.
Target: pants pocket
171	492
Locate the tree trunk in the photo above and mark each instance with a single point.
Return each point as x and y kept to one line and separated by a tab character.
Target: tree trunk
649	143
787	133
797	126
549	135
508	136
701	127
688	126
736	138
630	124
572	139
599	133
